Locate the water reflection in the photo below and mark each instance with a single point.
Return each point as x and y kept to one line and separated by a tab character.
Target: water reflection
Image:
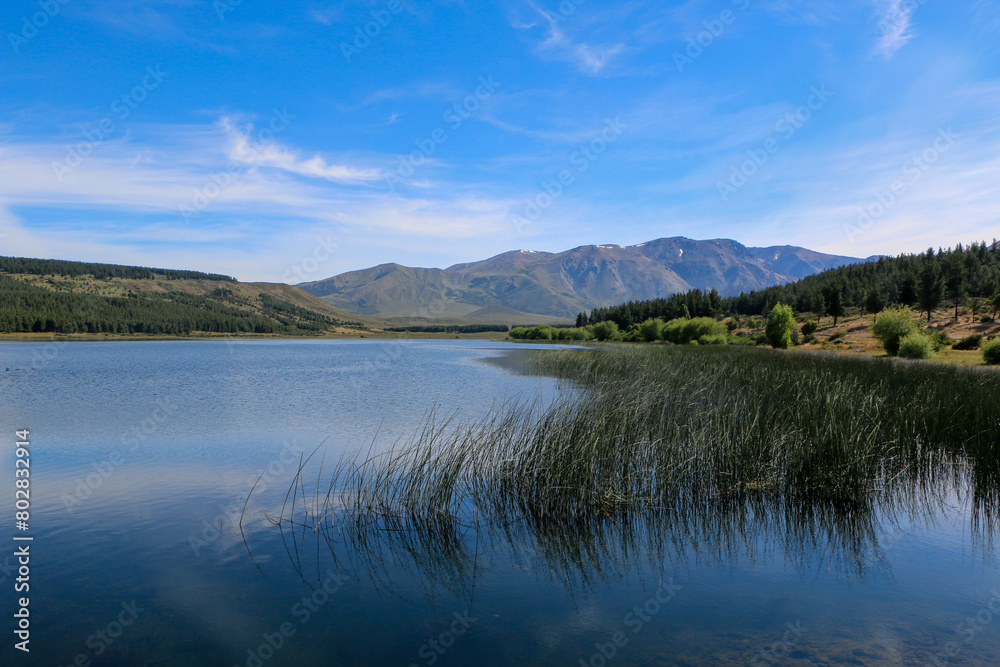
813	535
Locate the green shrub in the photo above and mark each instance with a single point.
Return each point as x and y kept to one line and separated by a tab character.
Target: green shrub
682	331
991	351
606	330
714	339
837	336
543	332
573	334
892	325
652	329
809	327
705	326
969	342
673	331
938	338
916	346
631	335
780	322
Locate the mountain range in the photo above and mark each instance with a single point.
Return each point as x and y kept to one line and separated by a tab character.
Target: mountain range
560	285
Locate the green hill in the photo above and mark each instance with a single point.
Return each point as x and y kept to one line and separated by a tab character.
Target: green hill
963	276
56	296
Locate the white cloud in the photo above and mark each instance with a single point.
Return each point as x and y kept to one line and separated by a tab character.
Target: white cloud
121	209
590	59
895	23
815	12
253	150
325	16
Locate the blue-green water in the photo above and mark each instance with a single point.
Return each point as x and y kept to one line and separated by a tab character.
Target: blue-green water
143	454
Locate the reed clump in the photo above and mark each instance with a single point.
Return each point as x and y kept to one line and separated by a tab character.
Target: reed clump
671	427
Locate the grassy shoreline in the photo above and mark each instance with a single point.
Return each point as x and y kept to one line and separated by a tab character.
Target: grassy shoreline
664	428
969	358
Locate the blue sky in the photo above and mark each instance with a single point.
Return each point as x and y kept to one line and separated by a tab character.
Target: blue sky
291	141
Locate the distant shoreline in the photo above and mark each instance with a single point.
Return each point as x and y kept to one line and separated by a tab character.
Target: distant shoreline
48	337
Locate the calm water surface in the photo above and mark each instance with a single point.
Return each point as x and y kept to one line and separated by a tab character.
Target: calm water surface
143	455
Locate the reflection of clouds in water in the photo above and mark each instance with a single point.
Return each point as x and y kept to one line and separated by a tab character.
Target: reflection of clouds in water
892	641
566	629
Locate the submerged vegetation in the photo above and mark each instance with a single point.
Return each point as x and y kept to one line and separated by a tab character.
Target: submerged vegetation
670	429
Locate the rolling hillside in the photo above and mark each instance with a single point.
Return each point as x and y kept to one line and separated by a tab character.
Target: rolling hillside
84	298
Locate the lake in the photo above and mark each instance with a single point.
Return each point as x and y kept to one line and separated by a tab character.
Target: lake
143	455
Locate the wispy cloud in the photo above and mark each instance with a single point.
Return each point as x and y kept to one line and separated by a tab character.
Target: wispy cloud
987	15
816	12
151	19
589	58
116	208
895	23
246	149
326	16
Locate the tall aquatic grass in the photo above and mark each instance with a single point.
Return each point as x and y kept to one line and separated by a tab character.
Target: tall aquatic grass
664	452
671	428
